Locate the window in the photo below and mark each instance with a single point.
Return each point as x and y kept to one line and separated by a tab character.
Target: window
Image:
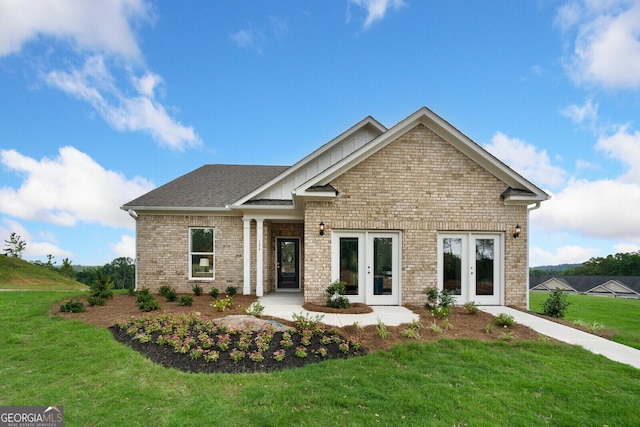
202	253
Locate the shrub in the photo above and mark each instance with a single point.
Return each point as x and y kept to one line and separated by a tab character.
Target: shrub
222	304
101	289
214	293
556	304
308	321
168	292
471	307
185	300
505	320
336	295
146	301
383	332
72	307
439	303
197	289
231	290
96	300
255	309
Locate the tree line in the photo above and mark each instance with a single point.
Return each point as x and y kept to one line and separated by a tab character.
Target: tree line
121	271
620	264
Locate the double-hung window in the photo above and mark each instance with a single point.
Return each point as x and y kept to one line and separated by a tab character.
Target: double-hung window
202	253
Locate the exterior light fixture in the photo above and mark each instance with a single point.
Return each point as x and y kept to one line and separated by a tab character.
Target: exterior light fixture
321	228
516	231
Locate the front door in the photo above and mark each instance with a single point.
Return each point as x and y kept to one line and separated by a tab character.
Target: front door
470	267
369	263
288	263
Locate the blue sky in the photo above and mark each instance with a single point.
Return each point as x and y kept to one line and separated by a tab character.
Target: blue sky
101	102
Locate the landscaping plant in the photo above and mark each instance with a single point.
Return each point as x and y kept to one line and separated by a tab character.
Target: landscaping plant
336	295
556	304
101	289
197	289
146	301
72	306
231	291
439	303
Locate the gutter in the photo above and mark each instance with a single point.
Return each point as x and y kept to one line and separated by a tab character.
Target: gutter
529	209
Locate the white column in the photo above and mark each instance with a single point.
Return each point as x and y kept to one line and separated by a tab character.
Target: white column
259	257
246	256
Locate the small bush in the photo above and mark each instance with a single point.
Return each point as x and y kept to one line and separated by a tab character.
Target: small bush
197	289
504	320
439	303
93	300
231	290
185	300
222	304
101	289
146	301
336	295
556	304
214	293
72	307
168	292
471	307
307	321
255	309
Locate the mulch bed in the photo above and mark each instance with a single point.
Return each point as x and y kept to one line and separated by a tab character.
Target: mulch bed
123	307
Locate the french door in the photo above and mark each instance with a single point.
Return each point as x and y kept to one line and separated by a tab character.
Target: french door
470	266
369	263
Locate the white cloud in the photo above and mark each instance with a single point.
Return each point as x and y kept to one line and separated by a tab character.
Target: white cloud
376	9
95	85
569	254
35	249
604	209
606	49
249	39
101	35
68	189
624	146
524	158
579	114
126	247
626	248
93	25
257	39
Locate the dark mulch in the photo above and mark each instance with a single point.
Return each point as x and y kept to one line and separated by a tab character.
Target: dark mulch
167	357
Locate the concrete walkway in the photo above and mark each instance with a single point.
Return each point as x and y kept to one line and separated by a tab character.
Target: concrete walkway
284	305
609	349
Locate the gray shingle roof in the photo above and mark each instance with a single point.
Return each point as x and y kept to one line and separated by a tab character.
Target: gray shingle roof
210	186
586	283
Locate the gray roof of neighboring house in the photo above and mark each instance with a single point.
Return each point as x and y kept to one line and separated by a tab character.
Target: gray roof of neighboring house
586	283
210	186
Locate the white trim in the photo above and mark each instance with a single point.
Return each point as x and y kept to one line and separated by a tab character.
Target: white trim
246	256
259	257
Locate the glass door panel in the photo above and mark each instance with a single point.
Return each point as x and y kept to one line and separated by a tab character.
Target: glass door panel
349	265
452	265
382	266
485	256
288	264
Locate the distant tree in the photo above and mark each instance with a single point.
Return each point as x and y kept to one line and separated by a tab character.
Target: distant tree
66	269
50	258
620	264
122	271
15	246
86	275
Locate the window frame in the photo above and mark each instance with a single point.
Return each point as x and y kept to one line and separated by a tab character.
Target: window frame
192	253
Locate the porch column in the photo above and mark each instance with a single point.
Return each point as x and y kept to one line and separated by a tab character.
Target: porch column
246	256
259	257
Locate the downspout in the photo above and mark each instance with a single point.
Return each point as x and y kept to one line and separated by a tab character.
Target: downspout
529	209
133	214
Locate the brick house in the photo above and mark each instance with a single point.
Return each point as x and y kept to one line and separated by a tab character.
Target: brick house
390	212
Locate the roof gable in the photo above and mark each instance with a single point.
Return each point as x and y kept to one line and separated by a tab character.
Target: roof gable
522	190
282	186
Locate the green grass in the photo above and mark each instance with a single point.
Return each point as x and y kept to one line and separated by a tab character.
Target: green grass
47	360
620	315
16	273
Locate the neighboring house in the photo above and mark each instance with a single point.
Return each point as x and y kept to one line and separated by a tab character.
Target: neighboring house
609	286
391	212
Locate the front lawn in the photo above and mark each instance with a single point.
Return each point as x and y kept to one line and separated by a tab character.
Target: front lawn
618	314
50	360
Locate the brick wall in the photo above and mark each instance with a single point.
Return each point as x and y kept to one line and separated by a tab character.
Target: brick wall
419	185
163	251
